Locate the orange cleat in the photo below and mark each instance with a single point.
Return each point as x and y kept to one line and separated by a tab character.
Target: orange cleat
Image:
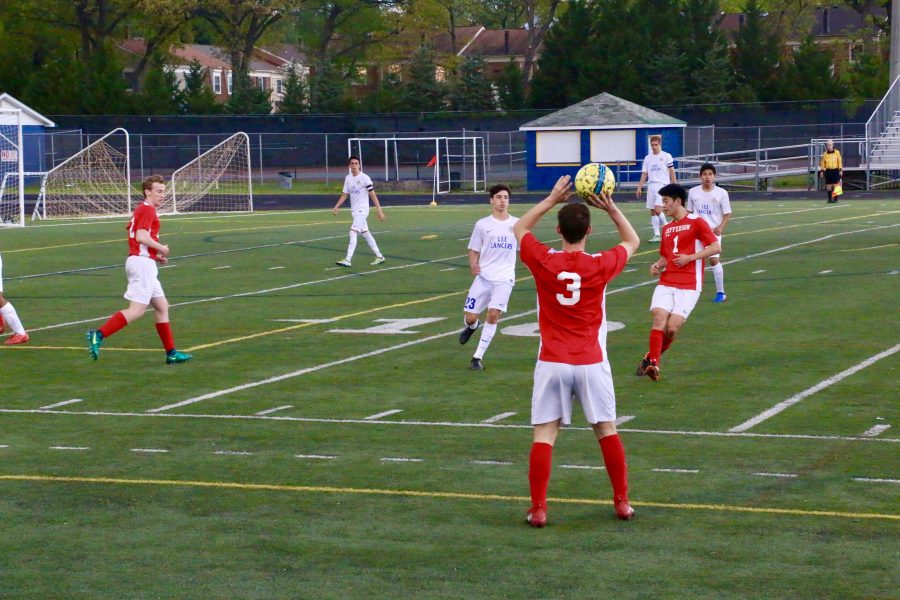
16	338
537	516
623	509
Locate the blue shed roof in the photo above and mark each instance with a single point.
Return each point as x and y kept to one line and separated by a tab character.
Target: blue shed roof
603	111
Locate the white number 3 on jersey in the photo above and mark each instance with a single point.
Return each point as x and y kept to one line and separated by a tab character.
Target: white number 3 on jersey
573	284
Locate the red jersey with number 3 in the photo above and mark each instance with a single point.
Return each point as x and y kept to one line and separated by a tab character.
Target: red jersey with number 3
144	217
688	235
571	288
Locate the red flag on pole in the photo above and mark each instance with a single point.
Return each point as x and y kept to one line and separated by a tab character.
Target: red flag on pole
432	162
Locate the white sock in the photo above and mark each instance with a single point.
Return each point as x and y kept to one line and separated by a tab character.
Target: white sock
12	318
370	239
351	247
662	220
719	275
473	325
487	334
655	225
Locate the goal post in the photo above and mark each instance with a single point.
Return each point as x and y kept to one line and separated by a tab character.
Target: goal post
219	180
12	169
93	182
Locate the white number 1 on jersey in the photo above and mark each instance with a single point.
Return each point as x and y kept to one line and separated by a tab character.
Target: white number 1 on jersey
573	285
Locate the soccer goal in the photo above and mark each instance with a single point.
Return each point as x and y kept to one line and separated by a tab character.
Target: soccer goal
12	167
446	162
94	182
218	180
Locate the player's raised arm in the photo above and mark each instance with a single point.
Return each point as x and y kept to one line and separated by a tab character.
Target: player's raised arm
561	192
630	240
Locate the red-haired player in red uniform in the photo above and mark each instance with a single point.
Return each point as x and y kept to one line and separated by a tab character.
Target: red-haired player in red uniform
571	287
686	241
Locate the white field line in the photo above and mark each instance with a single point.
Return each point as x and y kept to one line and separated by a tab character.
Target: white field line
499	417
782	475
233	453
667	432
4	445
383	414
826	272
876	430
758	271
490	462
150	450
875	480
63	403
624	419
676	470
316	456
70	447
276	268
585	467
222	267
781	406
269	411
400	459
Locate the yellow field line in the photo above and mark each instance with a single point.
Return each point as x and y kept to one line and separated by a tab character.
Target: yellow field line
267	487
79	348
869	248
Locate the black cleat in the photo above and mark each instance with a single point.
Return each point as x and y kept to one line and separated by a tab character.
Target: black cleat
642	369
466	333
476	365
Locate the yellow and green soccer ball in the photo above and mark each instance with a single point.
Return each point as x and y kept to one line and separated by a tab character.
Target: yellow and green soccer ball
594	178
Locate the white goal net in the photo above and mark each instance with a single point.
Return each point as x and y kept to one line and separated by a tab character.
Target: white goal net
12	181
94	182
216	181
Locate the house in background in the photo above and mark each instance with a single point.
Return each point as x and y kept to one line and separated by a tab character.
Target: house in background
498	47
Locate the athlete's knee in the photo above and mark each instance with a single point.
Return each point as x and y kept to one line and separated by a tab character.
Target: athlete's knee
604	429
493	316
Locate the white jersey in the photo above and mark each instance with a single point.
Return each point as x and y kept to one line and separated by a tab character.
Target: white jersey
358	188
712	205
657	166
496	245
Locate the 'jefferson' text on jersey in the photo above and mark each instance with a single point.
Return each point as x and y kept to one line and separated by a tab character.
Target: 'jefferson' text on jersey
688	235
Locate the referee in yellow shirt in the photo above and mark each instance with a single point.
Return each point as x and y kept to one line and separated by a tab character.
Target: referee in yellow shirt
832	167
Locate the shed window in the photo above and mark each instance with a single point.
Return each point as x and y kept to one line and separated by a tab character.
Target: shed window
613	146
558	147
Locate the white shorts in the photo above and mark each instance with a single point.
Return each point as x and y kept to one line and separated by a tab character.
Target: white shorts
360	222
143	283
556	385
676	301
653	197
487	294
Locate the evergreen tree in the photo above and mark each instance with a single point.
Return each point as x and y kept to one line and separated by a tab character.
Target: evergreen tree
197	97
472	90
810	76
422	92
159	93
868	77
295	98
246	97
710	74
327	90
757	55
387	98
509	87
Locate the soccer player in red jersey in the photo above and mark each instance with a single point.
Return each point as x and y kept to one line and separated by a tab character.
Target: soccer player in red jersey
571	288
686	241
144	289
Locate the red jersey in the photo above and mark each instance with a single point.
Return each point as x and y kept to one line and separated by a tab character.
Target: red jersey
688	235
571	288
144	217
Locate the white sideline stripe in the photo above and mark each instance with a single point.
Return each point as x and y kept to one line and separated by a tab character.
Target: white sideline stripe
810	391
269	411
150	450
875	480
499	417
826	272
676	470
723	434
624	419
168	266
396	459
316	456
757	272
490	462
450	269
70	447
784	475
225	267
588	467
4	445
233	452
876	430
276	268
383	414
63	403
303	320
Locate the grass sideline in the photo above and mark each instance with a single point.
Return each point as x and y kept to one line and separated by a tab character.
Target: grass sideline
296	487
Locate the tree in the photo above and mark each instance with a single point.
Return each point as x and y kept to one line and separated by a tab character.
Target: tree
757	54
197	97
868	77
239	24
539	16
247	98
710	76
510	90
810	76
159	94
295	99
471	90
327	90
422	92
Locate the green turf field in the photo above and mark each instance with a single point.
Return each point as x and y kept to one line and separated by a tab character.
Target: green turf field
319	447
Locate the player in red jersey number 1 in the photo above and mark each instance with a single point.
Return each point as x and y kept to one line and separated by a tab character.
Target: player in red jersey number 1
571	288
144	289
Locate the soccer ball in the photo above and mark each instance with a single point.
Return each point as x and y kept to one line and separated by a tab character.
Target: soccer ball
594	178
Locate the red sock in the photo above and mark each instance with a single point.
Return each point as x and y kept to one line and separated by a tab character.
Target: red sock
113	324
539	464
667	341
656	343
165	334
614	458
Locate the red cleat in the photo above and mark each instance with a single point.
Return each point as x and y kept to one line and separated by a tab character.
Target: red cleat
537	516
623	509
16	338
652	370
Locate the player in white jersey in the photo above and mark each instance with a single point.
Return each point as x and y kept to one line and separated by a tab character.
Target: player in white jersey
9	316
711	202
358	186
492	260
658	170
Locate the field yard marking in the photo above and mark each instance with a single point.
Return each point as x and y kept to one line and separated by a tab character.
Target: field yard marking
757	272
676	470
20	347
219	268
275	268
869	248
400	459
4	446
478	425
826	272
784	475
79	448
316	456
624	419
382	414
874	480
266	487
499	417
76	400
502	463
781	406
585	467
233	453
876	430
269	411
150	450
